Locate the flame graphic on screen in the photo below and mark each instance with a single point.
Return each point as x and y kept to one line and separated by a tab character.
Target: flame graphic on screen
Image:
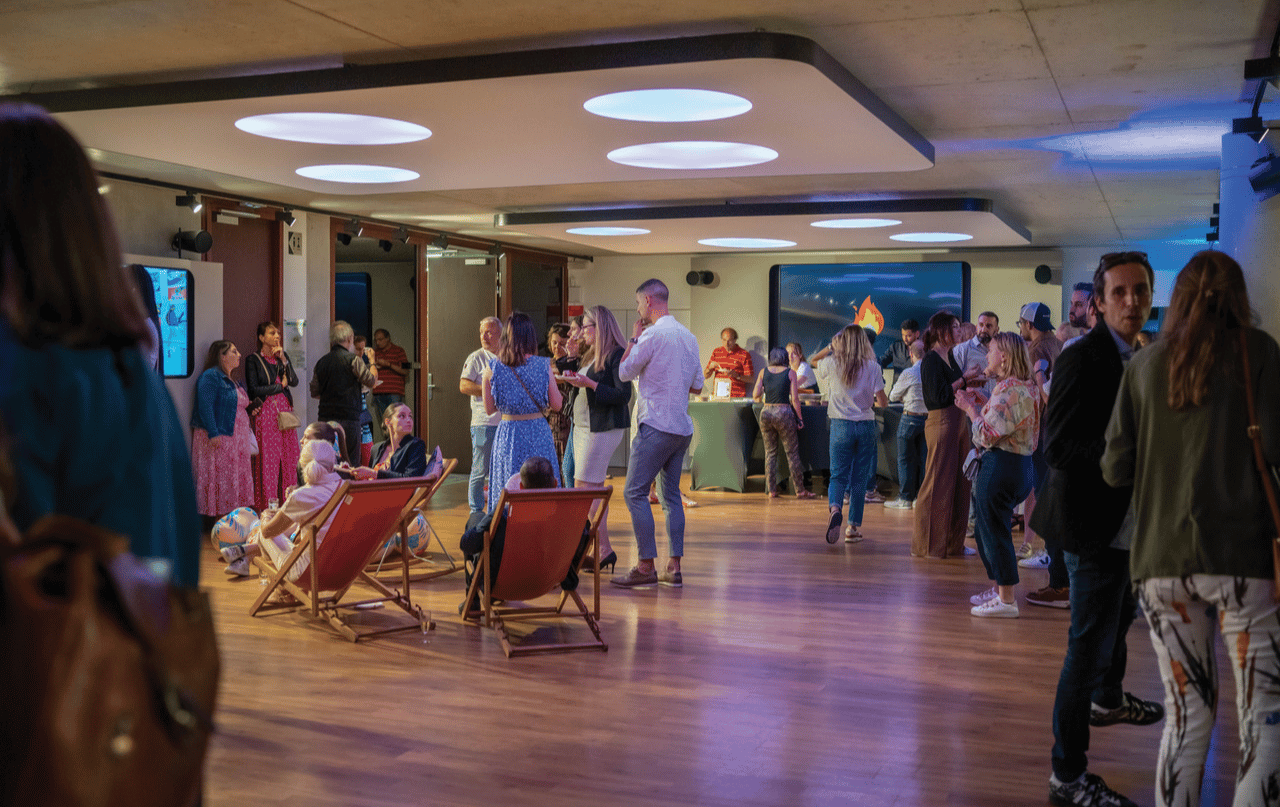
869	316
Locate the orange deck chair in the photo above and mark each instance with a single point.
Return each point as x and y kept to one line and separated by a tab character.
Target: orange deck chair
543	530
365	516
419	566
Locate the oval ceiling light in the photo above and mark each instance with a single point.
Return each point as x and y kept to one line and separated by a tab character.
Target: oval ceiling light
357	174
692	154
668	105
746	243
930	238
854	224
333	128
608	231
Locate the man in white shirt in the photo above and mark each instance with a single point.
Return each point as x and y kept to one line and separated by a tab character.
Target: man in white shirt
663	357
971	355
483	426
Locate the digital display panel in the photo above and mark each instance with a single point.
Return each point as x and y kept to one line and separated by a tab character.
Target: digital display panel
174	290
810	303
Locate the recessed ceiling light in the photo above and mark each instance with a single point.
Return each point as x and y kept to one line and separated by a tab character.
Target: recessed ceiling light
668	105
692	154
361	174
746	243
854	224
930	238
608	231
333	128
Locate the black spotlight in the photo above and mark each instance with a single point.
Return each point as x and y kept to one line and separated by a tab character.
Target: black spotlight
402	235
344	239
496	250
189	200
192	241
287	217
385	245
1043	274
355	227
441	241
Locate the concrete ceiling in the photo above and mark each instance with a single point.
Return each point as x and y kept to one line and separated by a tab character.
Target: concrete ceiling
1085	123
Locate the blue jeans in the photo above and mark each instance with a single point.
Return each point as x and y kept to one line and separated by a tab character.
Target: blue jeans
912	453
875	458
1102	608
481	446
852	450
566	464
1003	480
655	452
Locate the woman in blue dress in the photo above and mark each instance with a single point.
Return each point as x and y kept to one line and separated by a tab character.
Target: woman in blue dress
519	384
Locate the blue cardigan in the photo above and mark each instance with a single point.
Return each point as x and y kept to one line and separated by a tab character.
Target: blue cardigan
215	409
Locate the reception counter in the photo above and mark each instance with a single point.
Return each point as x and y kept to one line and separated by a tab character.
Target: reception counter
727	447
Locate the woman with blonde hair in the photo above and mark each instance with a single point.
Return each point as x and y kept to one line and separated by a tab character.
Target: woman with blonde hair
942	505
1008	426
1201	558
600	411
851	379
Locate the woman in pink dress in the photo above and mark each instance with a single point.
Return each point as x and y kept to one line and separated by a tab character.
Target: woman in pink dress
268	374
221	437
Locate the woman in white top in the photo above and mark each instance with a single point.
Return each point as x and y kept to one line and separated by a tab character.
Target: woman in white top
853	382
805	379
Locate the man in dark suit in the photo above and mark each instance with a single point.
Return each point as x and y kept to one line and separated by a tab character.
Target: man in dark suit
1090	519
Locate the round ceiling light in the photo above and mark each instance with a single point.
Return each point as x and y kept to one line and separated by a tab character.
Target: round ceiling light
357	174
692	154
746	243
854	224
333	128
668	105
930	238
608	231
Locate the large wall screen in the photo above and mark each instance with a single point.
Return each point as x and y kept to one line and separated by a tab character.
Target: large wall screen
175	290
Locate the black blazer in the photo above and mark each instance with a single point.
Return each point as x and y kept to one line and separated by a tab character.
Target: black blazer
1076	506
261	380
608	401
409	460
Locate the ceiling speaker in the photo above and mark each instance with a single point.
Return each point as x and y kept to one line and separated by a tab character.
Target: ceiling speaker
1043	273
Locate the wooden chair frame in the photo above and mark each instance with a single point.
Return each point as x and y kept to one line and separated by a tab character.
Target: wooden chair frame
426	570
489	615
327	607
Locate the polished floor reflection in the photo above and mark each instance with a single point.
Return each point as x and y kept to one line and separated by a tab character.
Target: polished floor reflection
785	672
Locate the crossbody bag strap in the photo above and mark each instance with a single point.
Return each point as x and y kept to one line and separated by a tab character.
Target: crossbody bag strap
1255	436
545	410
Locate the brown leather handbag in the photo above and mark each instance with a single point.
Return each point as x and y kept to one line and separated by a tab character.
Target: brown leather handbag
1264	470
109	673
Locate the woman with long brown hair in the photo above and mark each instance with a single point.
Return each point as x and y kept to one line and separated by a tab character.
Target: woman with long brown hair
852	382
520	385
221	436
1201	558
268	375
942	505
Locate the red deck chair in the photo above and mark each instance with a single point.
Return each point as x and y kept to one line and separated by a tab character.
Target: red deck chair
420	566
365	515
544	528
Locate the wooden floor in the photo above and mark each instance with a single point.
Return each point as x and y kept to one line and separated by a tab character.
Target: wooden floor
786	672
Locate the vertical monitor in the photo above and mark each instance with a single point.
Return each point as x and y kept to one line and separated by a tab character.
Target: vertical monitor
809	303
175	293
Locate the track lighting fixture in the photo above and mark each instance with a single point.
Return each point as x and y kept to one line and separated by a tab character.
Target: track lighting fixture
192	241
441	241
385	245
496	250
355	228
189	200
286	216
344	239
402	235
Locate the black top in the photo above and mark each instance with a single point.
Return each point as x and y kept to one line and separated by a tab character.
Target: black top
777	387
1077	506
936	378
335	383
409	460
262	380
608	401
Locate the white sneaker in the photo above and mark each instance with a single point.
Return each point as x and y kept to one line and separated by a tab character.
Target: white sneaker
1040	560
852	535
232	552
979	599
900	504
996	607
873	497
240	568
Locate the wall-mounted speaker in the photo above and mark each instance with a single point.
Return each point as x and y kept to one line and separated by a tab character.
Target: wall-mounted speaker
192	241
1043	273
700	278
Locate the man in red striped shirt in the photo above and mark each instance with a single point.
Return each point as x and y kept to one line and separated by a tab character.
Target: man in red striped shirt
729	363
393	369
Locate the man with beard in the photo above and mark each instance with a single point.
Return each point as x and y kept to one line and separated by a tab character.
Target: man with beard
971	355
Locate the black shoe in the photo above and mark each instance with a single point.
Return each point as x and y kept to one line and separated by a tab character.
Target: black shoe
1132	709
608	561
833	527
1087	791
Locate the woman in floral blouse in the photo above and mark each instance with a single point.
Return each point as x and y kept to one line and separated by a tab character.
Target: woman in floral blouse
1007	426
